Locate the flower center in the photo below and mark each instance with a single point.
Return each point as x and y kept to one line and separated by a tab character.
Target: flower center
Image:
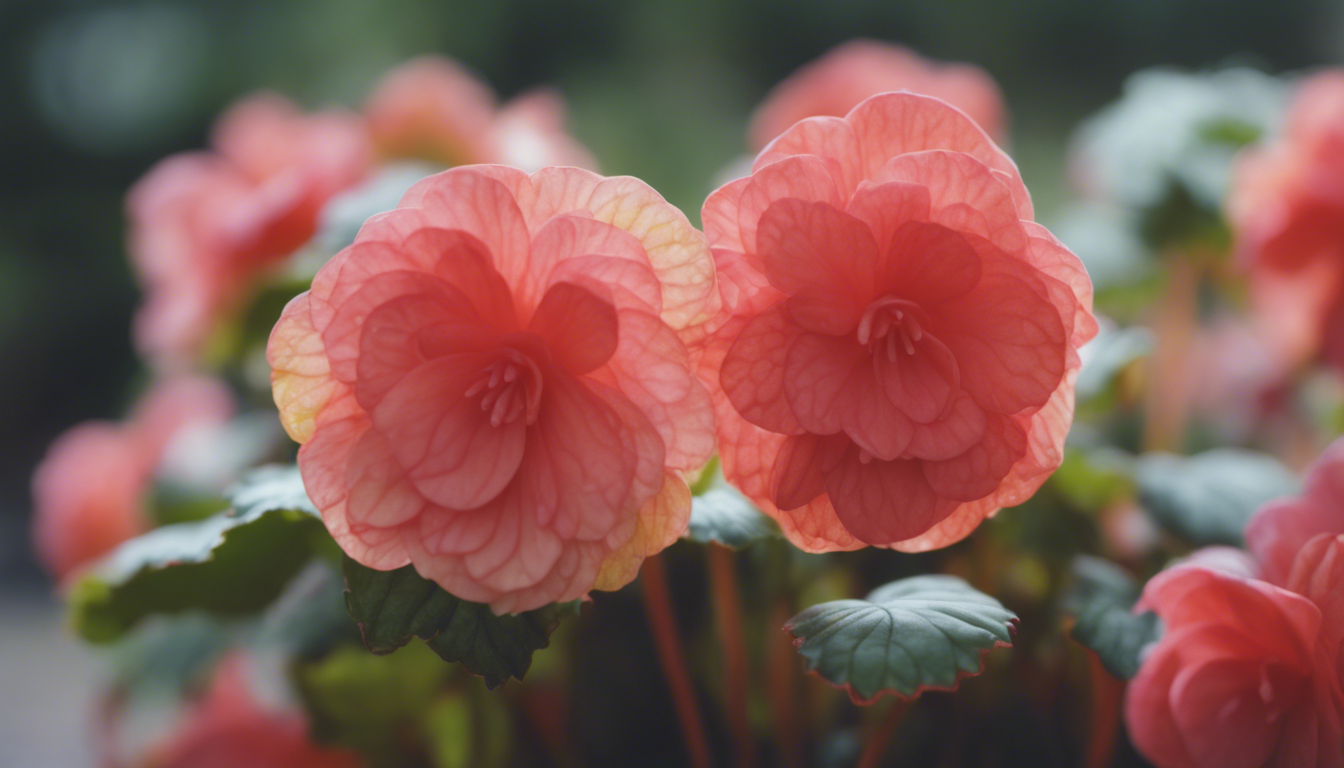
892	325
509	388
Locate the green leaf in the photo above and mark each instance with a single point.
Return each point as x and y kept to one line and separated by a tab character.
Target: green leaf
391	607
371	703
722	515
271	487
1100	600
912	635
1209	498
231	564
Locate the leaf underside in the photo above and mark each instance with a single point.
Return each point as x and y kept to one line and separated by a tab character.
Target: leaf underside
392	607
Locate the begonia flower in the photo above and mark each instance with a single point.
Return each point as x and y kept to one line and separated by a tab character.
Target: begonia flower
1281	528
851	72
1287	212
899	340
1246	673
1248	670
229	728
490	384
431	108
89	492
205	225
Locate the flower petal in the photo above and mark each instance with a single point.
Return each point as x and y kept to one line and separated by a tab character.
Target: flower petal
921	382
978	472
884	501
823	258
753	371
452	452
578	327
831	387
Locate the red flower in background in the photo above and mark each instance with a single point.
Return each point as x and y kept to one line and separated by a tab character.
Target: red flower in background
431	108
228	728
489	383
204	225
89	491
899	339
1248	669
836	83
1287	211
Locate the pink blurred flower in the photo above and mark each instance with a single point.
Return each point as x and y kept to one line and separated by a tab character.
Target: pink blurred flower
204	225
1248	669
489	383
1245	674
1287	211
431	108
1281	529
228	728
88	493
851	72
898	344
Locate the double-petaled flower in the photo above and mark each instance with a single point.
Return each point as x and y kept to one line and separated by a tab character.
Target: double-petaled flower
490	383
898	340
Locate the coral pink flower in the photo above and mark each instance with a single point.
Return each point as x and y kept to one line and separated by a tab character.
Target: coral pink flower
228	728
203	225
1281	529
88	493
1246	673
489	383
1287	210
431	108
898	343
1248	670
853	71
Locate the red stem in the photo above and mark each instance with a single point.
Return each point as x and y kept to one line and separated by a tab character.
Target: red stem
1175	323
728	615
658	606
880	740
1107	693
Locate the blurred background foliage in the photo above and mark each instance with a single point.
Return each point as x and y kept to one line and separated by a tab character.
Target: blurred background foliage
96	92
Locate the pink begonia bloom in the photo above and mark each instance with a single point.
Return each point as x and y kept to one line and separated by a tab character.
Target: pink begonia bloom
851	72
433	109
88	493
205	225
1248	669
1286	208
1281	528
489	383
229	728
898	346
1246	673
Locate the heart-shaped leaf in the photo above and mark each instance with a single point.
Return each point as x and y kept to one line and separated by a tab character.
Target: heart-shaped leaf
391	607
1100	600
231	564
722	515
909	636
1208	498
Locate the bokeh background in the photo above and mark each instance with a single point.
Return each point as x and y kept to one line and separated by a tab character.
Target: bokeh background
93	93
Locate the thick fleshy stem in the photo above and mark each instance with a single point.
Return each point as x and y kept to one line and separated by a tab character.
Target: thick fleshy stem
728	615
782	686
1107	693
880	739
1169	385
658	607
